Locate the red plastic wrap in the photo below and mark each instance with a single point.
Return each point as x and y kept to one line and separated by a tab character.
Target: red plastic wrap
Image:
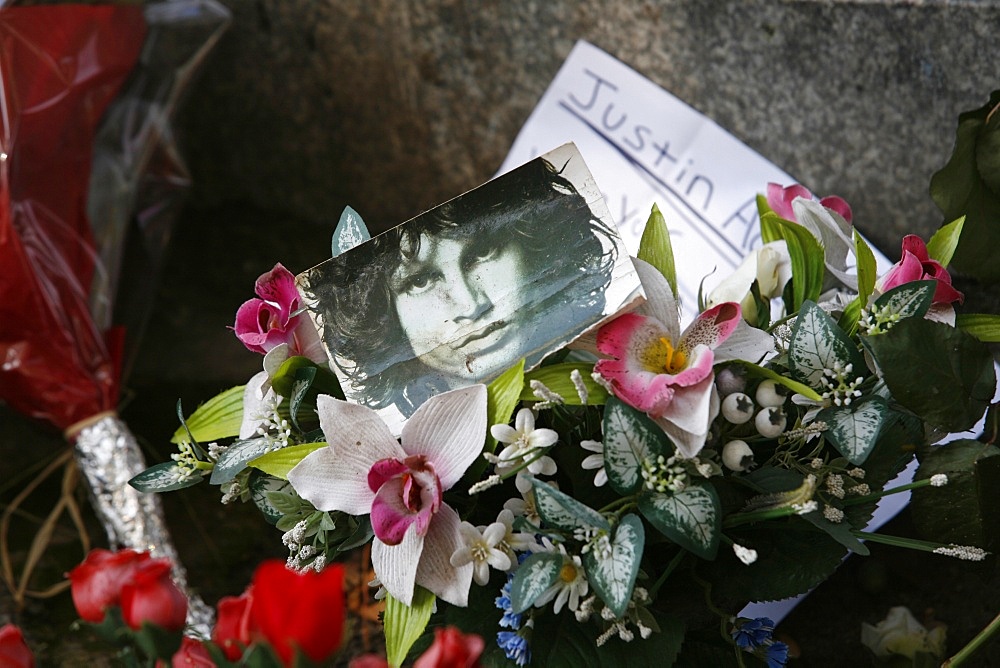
60	67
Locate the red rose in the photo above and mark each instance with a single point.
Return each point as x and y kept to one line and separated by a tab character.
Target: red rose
192	653
151	596
14	652
96	584
299	610
452	649
232	630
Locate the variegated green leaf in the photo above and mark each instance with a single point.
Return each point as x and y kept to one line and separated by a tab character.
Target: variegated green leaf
165	477
271	497
909	300
236	457
612	574
854	429
563	511
219	417
351	231
629	438
279	462
538	572
690	518
817	344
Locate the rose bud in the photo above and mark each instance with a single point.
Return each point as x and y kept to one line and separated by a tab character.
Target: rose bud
96	584
152	596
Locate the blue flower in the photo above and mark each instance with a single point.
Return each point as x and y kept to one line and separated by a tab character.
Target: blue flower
515	646
510	619
777	655
753	633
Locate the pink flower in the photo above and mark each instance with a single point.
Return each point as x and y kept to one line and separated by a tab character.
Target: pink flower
14	652
365	470
272	319
916	265
780	200
656	368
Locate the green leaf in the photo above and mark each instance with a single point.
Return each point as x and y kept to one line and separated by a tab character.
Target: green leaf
236	457
613	576
538	572
563	511
842	532
854	429
909	300
502	396
943	243
936	371
691	518
962	188
289	373
164	478
983	326
806	255
350	231
794	386
817	344
219	417
867	272
273	497
768	233
629	439
157	641
403	624
557	378
280	462
655	247
304	378
964	511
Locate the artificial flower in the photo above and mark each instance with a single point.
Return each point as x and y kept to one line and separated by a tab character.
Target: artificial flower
666	373
571	584
482	549
595	462
192	654
452	649
769	265
781	200
14	652
524	444
515	645
96	584
753	633
273	318
514	541
401	484
298	610
233	629
901	634
917	265
151	596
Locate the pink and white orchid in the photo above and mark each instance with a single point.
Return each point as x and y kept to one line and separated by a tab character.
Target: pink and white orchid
364	470
273	319
667	373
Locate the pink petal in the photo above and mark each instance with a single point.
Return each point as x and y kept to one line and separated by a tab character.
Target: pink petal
396	565
780	199
336	477
384	470
435	572
278	287
912	243
449	429
247	326
712	327
391	516
839	205
909	268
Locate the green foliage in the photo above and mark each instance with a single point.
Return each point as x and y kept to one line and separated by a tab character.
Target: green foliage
806	254
909	300
557	378
629	438
219	417
855	429
350	231
983	326
936	371
404	623
532	578
612	575
964	511
969	185
236	457
655	247
563	511
944	242
867	270
165	477
692	518
818	344
279	462
502	396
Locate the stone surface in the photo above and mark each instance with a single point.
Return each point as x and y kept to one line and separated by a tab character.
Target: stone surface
393	107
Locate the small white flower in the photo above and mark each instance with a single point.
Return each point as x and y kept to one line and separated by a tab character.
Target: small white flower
525	444
939	480
833	514
482	551
514	541
570	585
595	462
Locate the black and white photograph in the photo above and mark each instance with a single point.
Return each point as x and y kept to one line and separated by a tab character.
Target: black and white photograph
516	268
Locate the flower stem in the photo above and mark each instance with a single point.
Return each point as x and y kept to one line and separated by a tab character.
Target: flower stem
759	516
856	500
981	638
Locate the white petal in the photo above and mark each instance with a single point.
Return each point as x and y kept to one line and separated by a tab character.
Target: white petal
689	415
494	533
336	477
504	433
524	422
542	438
275	357
745	343
435	572
735	286
396	565
660	301
450	430
253	403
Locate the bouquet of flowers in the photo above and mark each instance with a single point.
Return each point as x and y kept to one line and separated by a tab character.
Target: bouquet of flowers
619	502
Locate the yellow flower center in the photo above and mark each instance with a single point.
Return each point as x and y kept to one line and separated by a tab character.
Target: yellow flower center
567	573
670	359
